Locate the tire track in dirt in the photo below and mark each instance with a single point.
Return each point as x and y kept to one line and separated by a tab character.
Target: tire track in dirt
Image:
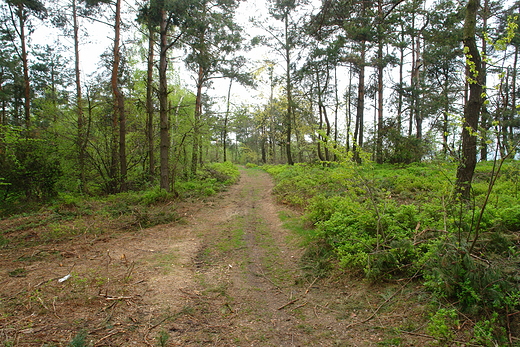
250	290
247	285
227	274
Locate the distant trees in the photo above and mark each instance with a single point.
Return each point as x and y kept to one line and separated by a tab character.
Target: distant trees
211	37
19	12
407	68
382	80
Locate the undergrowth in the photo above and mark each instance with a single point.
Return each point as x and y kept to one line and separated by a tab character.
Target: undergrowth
393	223
71	215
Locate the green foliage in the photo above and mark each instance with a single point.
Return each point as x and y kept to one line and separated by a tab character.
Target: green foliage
226	172
156	195
452	273
509	218
400	149
29	170
489	333
389	222
80	340
213	179
162	338
442	324
368	222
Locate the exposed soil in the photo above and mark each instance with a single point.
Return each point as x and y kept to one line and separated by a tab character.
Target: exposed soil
227	274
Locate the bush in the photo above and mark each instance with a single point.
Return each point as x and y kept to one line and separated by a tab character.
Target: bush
213	179
394	222
156	195
226	172
510	218
29	169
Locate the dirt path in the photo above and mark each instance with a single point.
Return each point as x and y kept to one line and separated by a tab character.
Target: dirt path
229	275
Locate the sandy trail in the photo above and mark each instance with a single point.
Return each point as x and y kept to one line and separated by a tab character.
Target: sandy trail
228	274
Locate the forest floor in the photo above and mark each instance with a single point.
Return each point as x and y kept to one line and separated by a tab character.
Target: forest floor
229	273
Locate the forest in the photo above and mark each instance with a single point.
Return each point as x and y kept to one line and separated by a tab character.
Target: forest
398	80
393	125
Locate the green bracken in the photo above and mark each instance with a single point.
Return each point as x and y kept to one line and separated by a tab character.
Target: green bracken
389	223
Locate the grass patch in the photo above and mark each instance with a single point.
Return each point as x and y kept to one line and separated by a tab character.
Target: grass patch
233	237
166	261
71	215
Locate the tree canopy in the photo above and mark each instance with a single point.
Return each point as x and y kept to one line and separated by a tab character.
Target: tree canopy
389	81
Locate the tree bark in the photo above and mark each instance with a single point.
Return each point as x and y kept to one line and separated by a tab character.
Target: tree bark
473	106
380	66
289	115
163	103
485	122
149	102
82	136
27	86
119	117
416	89
226	119
196	123
360	107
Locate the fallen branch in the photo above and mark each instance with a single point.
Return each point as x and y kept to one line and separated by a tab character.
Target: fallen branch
309	287
287	304
109	335
376	311
109	297
119	297
145	337
328	308
267	278
299	306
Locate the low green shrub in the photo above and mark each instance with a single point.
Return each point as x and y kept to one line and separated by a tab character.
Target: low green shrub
402	222
156	195
442	324
214	178
226	172
80	340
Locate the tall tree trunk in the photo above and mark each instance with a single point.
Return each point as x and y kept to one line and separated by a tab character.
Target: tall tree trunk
119	106
3	113
472	108
360	107
417	90
163	103
272	132
348	110
82	138
196	123
380	65
25	64
399	117
149	102
514	89
226	118
321	139
413	91
485	123
289	115
445	122
336	111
